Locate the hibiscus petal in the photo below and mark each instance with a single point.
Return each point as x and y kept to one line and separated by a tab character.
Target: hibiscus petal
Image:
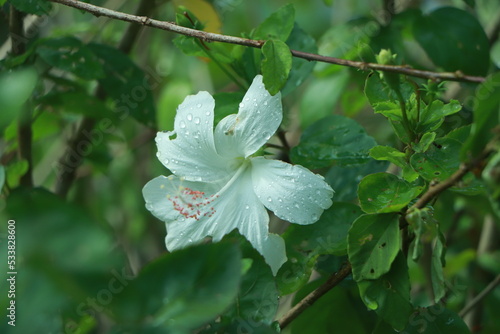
293	193
257	120
191	154
195	210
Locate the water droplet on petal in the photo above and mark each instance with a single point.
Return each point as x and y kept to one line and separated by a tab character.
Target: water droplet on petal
247	207
208	113
182	124
242	105
280	199
166	161
297	205
265	103
314	217
159	138
198	105
269	199
197	120
189	117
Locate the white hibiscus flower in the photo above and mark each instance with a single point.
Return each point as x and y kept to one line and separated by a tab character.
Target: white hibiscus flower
218	186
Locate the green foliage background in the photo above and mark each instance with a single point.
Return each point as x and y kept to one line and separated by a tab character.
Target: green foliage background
91	259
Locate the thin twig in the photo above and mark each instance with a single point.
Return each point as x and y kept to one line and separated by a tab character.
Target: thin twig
493	284
212	37
71	159
311	298
24	132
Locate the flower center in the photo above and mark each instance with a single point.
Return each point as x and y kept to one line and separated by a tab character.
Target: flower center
197	204
193	203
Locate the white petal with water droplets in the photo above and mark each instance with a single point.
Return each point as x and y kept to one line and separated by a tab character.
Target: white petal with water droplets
191	154
293	193
258	118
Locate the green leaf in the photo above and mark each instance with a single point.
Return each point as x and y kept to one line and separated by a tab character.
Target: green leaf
182	290
437	264
257	288
389	295
127	84
439	162
436	320
390	154
71	55
276	65
345	179
334	139
301	68
396	157
486	117
16	87
373	243
425	142
432	117
454	40
385	192
40	7
461	134
277	26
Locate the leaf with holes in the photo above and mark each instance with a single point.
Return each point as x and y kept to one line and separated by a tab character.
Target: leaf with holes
372	245
385	192
439	162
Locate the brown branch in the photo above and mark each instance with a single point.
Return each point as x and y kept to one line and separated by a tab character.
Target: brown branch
24	132
212	37
311	298
72	158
